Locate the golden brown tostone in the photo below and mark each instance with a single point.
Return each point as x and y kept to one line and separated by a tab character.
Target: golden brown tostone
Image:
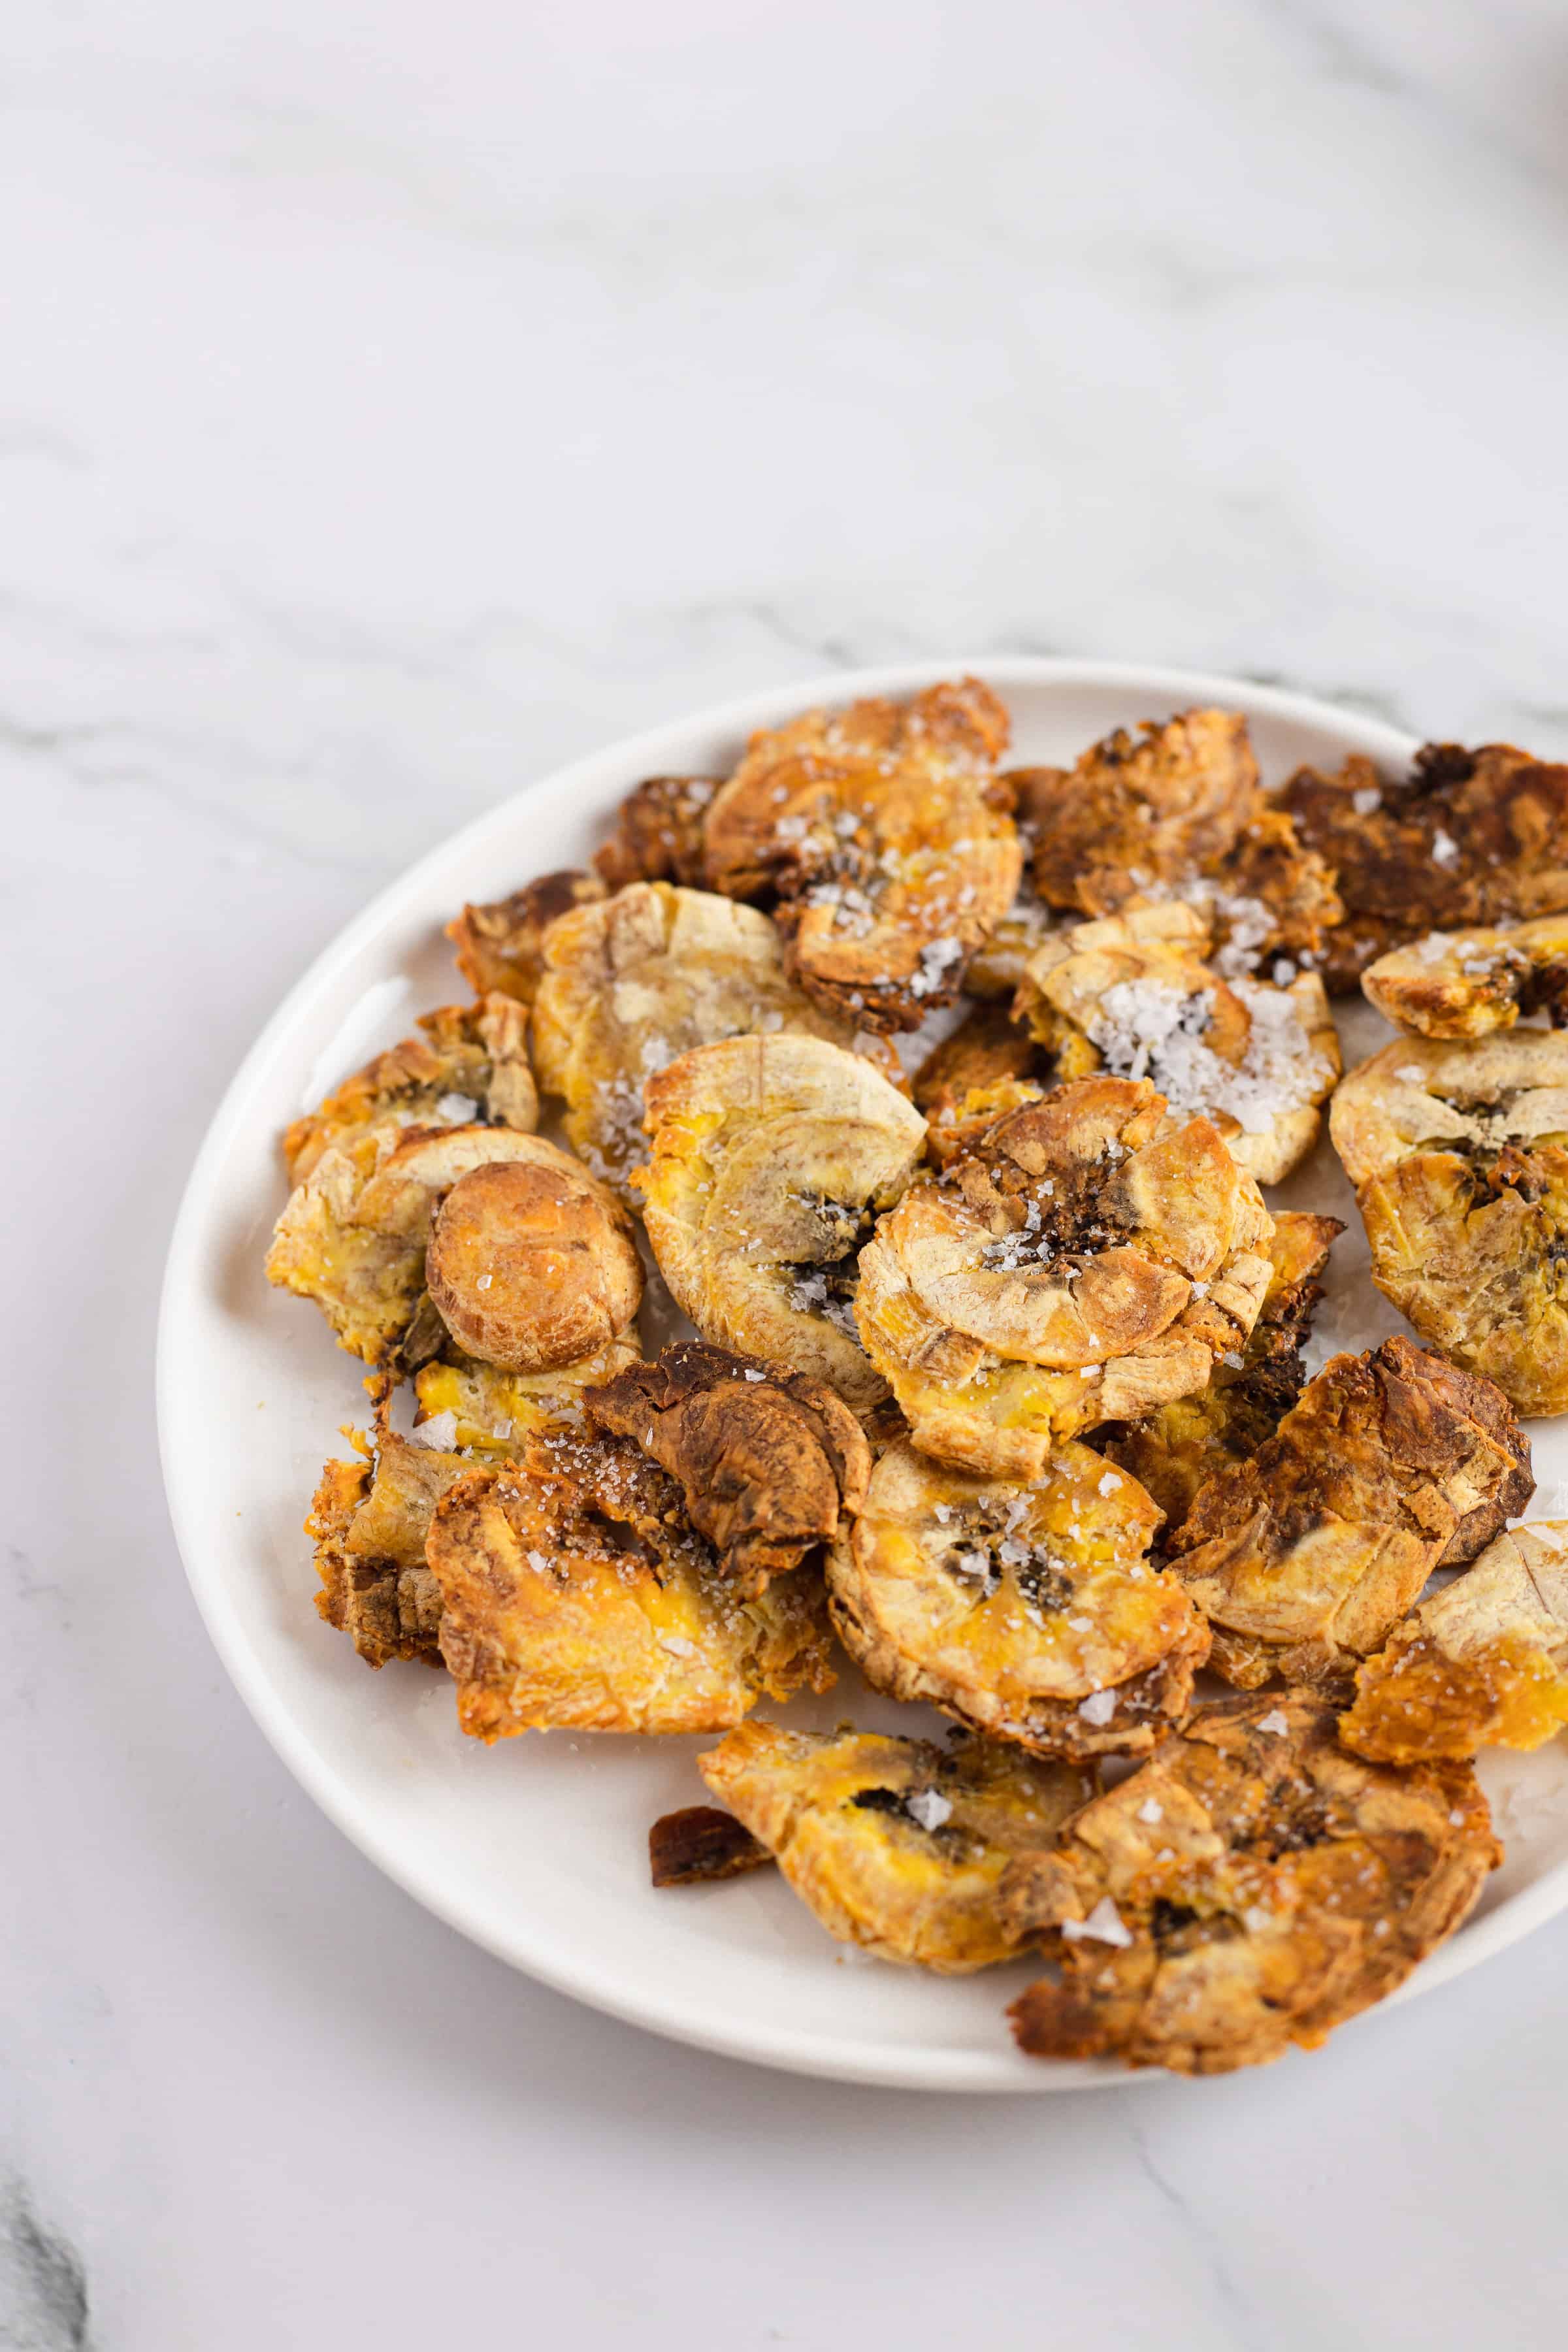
1251	1886
897	1845
887	842
1305	1556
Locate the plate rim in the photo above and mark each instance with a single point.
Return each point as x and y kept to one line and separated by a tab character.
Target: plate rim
827	2056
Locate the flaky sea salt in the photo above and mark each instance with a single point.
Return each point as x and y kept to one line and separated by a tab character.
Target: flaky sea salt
459	1109
1274	1721
1109	1482
1151	1810
928	1807
1152	1029
1445	848
1104	1924
754	1376
484	1282
677	1645
439	1432
1368	799
1098	1708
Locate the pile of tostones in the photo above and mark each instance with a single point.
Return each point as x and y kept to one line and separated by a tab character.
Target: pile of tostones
944	1102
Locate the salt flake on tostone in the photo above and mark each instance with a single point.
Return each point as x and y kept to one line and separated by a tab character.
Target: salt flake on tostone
928	1807
1104	1924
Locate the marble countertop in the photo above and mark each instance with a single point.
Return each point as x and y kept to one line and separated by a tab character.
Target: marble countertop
396	403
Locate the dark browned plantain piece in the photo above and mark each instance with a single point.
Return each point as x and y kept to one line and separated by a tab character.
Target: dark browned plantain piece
1467	838
658	833
768	1462
698	1846
500	945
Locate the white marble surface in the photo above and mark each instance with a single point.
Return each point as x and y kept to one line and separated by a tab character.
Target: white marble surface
397	401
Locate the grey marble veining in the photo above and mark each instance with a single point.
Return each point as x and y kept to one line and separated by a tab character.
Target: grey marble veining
395	403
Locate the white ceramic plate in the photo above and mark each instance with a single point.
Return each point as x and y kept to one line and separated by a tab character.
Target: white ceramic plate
536	1848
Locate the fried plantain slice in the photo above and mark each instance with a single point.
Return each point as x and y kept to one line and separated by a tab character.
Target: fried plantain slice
1028	1613
1471	983
1176	1447
369	1518
355	1233
889	845
1085	1260
1248	1888
502	945
1134	994
532	1265
1458	1153
1468	838
770	1463
1482	1664
1304	1556
897	1845
1177	810
659	832
769	1159
575	1596
632	984
469	1063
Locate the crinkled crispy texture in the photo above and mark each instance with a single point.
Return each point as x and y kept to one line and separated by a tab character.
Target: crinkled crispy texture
494	1412
477	1052
369	1519
1135	994
501	946
1472	983
896	1844
1157	806
888	840
659	832
1178	1446
632	984
575	1596
769	1157
1469	837
1458	1153
1177	810
1086	1262
1031	1614
1248	1888
352	1237
1304	1556
770	1465
531	1263
699	1844
1482	1664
